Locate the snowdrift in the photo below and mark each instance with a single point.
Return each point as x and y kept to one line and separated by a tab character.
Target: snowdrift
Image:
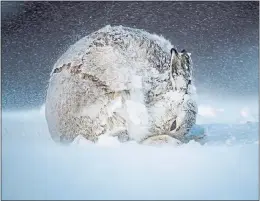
35	167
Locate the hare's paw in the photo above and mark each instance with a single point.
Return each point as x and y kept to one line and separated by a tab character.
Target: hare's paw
122	135
161	140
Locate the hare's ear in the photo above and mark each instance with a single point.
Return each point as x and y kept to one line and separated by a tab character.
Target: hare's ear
183	51
174	51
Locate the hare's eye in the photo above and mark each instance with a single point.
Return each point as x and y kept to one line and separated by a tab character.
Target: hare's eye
173	126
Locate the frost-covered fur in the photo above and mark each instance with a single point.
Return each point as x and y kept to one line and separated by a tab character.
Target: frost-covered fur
121	82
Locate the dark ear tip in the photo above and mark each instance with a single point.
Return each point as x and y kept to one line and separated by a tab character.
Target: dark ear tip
183	51
174	50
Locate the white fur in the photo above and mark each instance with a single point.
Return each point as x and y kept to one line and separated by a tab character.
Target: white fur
101	88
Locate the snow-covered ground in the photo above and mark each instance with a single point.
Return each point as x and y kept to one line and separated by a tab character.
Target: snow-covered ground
34	167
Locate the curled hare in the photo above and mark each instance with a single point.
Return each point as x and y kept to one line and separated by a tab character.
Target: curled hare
121	82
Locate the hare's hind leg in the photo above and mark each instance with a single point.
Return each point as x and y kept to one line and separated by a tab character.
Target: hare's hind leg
116	115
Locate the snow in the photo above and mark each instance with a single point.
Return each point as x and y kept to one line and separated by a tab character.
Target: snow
136	82
139	115
115	104
35	167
